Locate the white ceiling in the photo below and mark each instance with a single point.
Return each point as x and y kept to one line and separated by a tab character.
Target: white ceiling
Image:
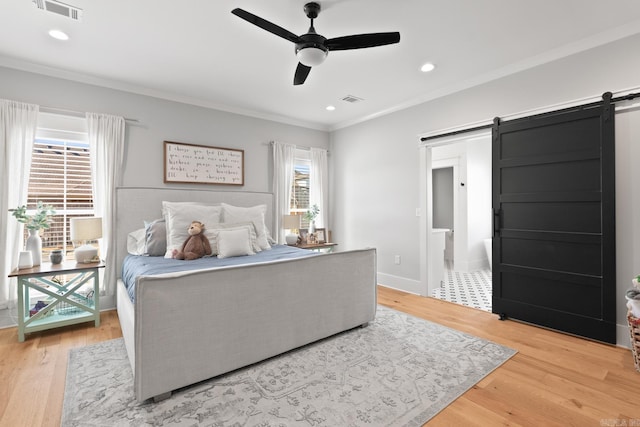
196	51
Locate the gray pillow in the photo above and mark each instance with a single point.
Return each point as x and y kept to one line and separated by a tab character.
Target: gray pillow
155	237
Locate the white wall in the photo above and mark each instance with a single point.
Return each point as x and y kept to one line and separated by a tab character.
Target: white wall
161	120
376	163
479	210
627	210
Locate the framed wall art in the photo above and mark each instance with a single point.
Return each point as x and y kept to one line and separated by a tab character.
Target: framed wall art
201	164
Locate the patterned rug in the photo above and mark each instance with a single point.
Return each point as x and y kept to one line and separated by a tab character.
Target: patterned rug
398	371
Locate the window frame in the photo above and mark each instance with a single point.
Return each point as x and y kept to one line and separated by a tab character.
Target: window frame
70	134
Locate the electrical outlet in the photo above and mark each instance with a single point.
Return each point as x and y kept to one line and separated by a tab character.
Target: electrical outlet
417	211
397	260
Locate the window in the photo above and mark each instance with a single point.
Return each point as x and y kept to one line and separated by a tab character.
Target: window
300	191
61	176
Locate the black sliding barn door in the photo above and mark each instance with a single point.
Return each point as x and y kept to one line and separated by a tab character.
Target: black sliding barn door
554	221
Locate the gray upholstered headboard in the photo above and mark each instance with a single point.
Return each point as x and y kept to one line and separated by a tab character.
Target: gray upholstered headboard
136	205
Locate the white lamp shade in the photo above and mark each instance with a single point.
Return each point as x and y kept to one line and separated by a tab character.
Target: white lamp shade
311	56
291	222
83	229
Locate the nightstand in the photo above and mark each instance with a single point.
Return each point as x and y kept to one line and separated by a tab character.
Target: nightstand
71	294
317	246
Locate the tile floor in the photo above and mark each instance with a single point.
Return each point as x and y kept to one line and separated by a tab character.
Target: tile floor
471	289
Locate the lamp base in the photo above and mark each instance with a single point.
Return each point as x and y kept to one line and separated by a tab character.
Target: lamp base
291	239
86	254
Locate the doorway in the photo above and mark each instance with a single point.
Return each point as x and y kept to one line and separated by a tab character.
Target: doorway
456	176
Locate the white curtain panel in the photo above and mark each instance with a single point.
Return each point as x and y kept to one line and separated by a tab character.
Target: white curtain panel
18	122
283	165
106	143
318	191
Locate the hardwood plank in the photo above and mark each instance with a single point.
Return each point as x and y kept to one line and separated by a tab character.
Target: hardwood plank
554	380
33	373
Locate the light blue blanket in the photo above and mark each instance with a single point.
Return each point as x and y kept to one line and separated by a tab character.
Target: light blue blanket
134	266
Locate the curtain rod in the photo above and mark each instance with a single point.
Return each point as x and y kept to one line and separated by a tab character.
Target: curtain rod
303	148
573	104
55	110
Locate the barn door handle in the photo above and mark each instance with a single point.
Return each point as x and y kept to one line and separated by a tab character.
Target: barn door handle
497	221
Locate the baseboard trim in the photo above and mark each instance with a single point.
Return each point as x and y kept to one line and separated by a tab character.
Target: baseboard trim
400	283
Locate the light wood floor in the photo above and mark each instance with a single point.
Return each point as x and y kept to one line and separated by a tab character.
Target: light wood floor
554	380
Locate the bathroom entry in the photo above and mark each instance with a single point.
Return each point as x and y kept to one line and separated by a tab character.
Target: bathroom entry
458	200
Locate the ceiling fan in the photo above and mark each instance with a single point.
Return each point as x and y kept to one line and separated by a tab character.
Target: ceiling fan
313	48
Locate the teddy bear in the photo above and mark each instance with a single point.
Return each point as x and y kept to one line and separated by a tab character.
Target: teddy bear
196	246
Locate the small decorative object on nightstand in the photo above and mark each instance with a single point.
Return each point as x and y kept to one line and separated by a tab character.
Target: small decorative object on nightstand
85	230
321	235
55	256
25	260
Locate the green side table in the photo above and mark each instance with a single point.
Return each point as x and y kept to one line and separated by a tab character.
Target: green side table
71	295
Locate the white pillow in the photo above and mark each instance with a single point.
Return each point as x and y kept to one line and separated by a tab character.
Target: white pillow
254	214
253	237
136	242
234	242
179	216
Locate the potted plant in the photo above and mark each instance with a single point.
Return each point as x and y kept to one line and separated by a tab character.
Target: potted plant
310	215
34	223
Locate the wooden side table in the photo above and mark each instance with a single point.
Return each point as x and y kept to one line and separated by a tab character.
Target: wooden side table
317	246
72	295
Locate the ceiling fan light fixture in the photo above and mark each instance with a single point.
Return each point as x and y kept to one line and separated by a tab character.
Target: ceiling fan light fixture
312	48
311	56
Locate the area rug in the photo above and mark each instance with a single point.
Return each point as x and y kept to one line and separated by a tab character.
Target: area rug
398	371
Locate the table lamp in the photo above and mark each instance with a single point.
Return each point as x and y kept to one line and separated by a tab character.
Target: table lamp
84	230
292	223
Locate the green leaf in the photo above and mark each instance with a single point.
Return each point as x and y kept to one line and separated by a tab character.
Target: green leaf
36	221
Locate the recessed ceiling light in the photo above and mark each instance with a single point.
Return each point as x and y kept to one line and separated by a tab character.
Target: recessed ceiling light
58	35
330	108
427	67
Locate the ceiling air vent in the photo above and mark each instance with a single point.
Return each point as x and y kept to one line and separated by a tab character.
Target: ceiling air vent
60	8
352	99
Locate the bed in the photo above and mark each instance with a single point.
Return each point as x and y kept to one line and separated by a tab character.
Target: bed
183	327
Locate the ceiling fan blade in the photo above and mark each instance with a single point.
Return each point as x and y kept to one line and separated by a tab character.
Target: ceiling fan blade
265	25
360	41
301	74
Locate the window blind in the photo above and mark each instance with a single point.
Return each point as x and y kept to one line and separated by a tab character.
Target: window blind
300	191
60	176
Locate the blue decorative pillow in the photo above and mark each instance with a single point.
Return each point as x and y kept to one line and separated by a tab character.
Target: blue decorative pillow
155	237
